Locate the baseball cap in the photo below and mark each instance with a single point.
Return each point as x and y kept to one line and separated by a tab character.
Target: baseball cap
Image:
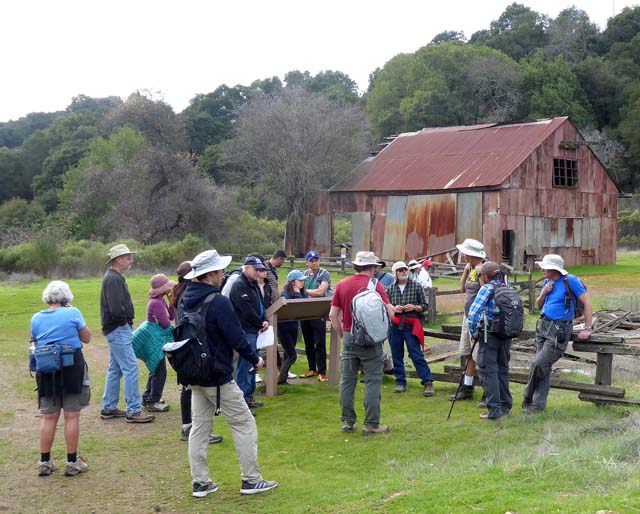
255	262
312	254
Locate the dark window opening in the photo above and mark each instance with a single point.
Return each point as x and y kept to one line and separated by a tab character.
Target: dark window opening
565	173
508	245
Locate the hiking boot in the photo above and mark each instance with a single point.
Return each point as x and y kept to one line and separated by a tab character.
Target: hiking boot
368	430
254	404
400	388
465	393
322	377
46	468
156	407
112	413
348	427
428	389
283	383
309	374
202	490
257	487
75	468
138	417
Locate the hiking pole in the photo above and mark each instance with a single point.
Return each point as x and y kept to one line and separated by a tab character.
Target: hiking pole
464	372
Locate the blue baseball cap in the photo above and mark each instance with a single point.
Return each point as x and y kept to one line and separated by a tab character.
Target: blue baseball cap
296	274
312	254
255	262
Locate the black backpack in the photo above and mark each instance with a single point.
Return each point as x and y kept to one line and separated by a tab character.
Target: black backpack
578	311
191	355
508	316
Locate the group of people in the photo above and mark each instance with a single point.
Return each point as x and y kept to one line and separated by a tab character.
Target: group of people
235	306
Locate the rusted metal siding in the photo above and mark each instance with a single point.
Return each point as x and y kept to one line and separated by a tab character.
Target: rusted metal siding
442	225
395	232
418	226
469	216
361	230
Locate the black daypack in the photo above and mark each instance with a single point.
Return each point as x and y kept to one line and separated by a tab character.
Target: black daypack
578	311
191	355
508	316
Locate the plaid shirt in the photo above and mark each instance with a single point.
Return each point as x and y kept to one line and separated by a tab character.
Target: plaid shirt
413	294
272	280
483	304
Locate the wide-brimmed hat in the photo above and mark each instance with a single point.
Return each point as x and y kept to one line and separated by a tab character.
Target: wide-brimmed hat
204	262
472	248
413	264
160	284
553	261
118	251
365	259
296	274
399	265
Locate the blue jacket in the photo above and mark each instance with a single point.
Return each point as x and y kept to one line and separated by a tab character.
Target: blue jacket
224	332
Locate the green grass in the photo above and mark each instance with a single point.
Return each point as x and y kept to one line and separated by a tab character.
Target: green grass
575	458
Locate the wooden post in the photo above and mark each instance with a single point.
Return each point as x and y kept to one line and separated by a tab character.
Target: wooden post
432	307
291	262
334	357
342	261
604	363
532	294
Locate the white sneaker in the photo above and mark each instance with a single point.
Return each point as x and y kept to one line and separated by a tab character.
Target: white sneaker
292	375
258	379
75	468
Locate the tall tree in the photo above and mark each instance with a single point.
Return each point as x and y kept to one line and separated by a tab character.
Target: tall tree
449	36
289	144
572	36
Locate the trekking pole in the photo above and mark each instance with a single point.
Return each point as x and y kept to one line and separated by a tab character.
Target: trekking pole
464	372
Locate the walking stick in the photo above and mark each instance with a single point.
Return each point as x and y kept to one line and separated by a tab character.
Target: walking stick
464	372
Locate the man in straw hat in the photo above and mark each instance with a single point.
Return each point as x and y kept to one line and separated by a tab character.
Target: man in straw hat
553	330
370	358
224	334
472	252
116	312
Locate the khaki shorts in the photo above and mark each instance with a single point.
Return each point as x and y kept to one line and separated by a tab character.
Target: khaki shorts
70	402
465	341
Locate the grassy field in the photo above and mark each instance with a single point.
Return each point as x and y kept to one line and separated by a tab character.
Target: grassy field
575	458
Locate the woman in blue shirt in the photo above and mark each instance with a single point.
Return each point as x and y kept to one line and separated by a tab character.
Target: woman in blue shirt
68	388
288	330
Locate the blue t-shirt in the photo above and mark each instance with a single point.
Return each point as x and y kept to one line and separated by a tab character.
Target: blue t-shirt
554	304
59	325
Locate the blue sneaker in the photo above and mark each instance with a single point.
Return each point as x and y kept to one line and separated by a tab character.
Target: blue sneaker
258	487
202	490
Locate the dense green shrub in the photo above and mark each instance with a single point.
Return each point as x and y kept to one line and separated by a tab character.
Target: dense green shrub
251	234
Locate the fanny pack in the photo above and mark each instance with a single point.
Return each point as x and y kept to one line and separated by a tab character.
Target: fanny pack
50	357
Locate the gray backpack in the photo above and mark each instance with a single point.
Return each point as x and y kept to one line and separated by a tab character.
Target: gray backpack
370	325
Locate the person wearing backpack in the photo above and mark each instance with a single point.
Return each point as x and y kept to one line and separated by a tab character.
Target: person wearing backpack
223	335
354	353
407	297
493	347
553	330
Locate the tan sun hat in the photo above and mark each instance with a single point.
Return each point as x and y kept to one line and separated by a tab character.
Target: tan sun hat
472	247
118	251
553	261
365	259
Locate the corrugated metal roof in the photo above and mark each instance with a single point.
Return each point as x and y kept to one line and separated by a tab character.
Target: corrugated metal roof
448	158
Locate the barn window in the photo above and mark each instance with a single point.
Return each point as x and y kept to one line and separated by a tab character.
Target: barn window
565	173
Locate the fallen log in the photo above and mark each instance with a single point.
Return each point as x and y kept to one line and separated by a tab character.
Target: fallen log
595	398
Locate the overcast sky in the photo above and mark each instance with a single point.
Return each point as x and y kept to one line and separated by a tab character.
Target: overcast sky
54	50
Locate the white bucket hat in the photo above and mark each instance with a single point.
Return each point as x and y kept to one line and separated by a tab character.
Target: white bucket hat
118	251
553	261
365	259
472	248
398	265
414	264
209	260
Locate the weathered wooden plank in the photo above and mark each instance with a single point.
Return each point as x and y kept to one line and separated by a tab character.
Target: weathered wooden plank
616	349
441	357
599	338
596	398
603	368
442	335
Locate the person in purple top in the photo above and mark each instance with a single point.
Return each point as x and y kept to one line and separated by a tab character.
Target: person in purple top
149	338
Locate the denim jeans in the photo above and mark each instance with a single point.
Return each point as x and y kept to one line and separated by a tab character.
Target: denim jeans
397	340
122	363
371	359
246	379
155	384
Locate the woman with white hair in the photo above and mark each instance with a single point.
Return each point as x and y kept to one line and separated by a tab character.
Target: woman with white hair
66	389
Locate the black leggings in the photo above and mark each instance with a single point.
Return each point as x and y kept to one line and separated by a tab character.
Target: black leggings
185	405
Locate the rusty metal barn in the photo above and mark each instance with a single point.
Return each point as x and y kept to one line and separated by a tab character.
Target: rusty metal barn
524	189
